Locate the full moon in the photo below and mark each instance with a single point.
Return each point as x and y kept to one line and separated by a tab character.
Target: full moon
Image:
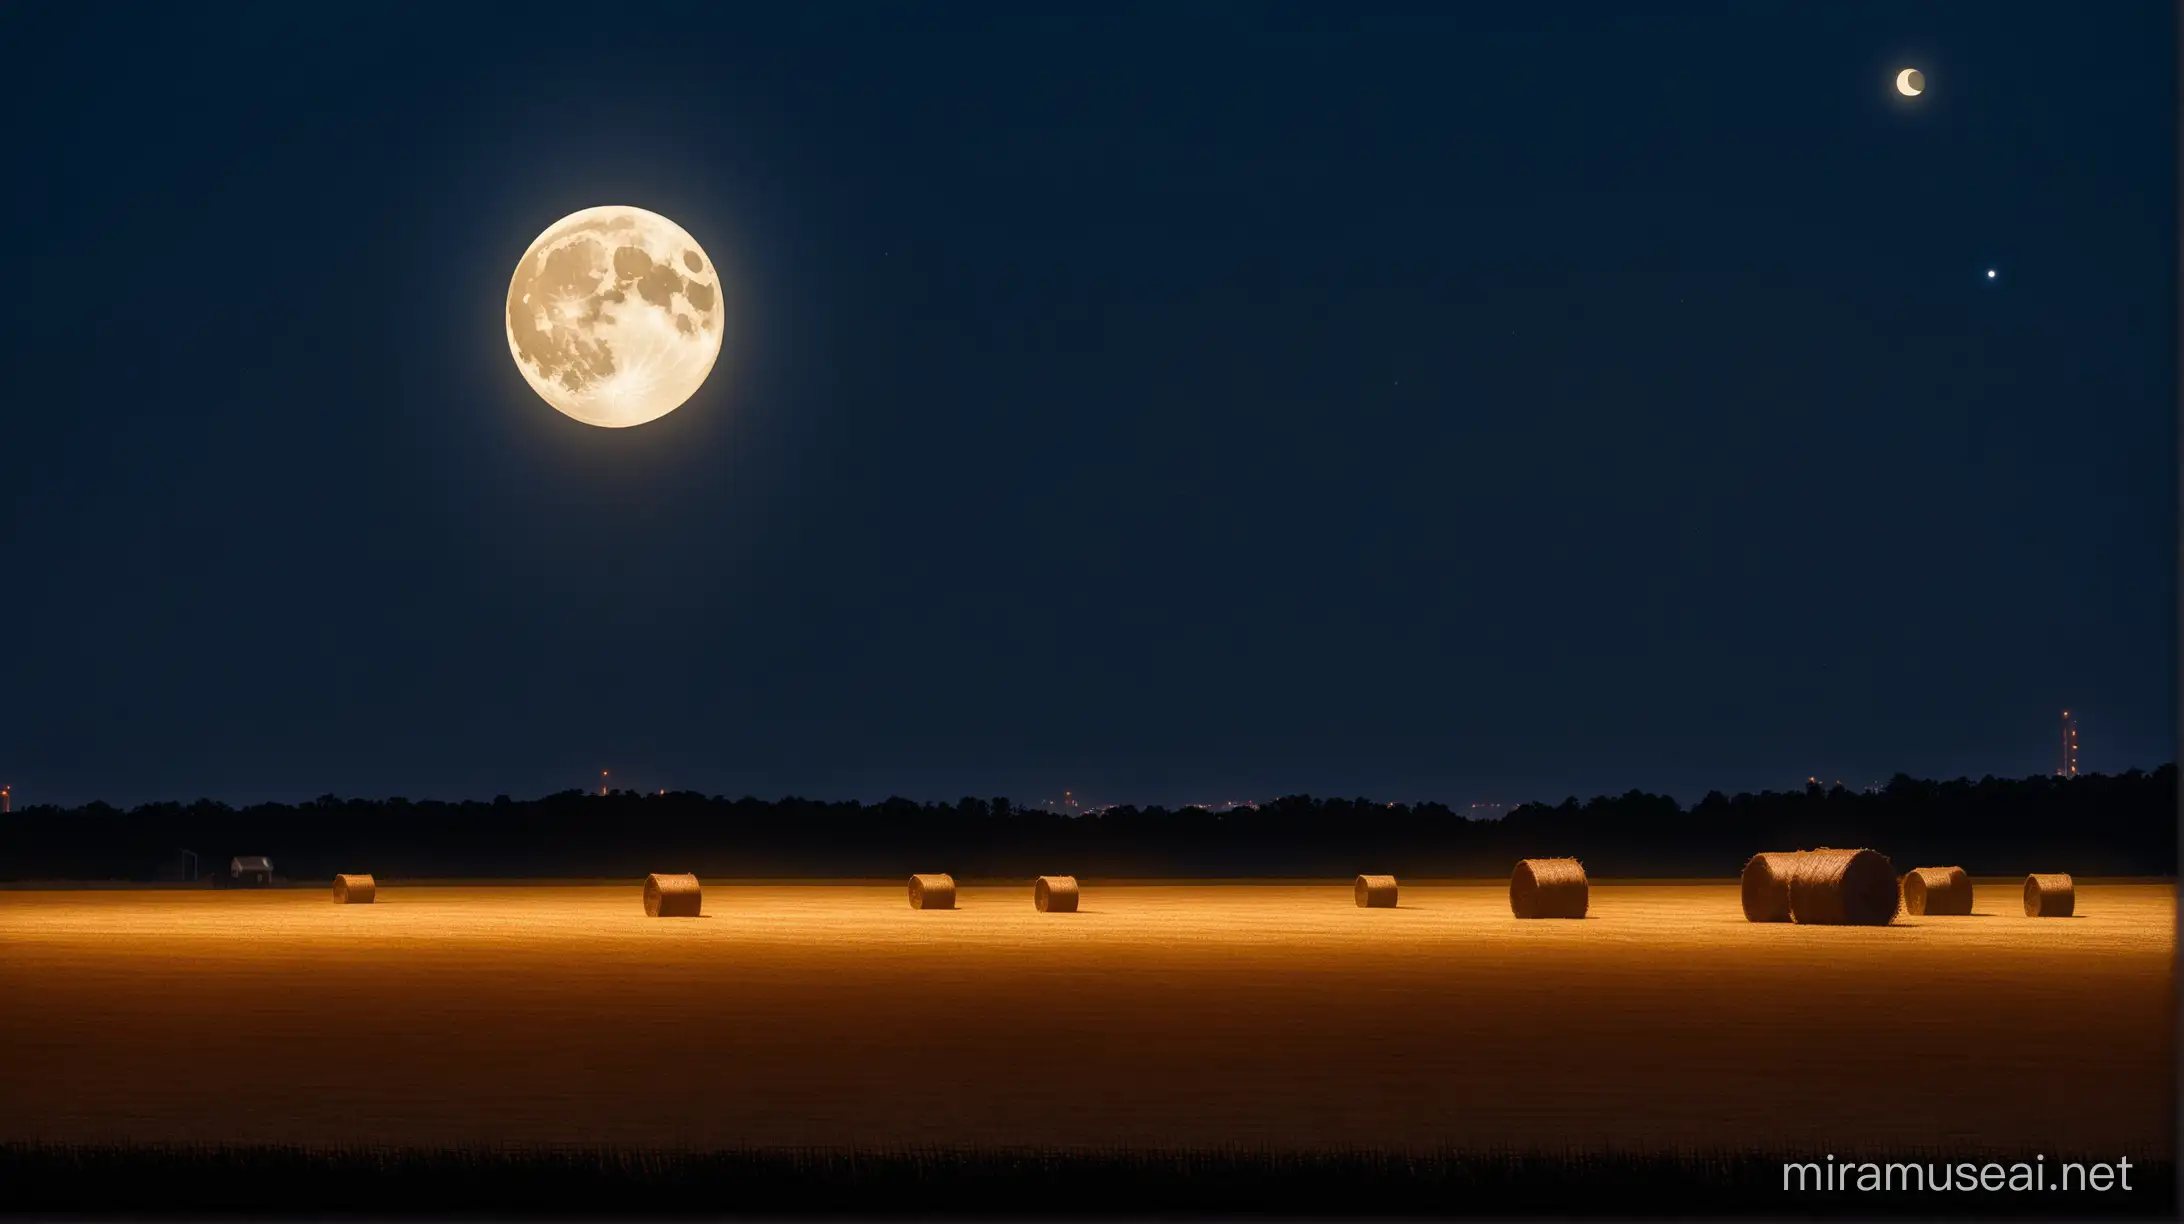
614	316
1910	82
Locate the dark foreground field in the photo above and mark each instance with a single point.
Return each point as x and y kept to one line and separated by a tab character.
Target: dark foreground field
291	1182
1318	1057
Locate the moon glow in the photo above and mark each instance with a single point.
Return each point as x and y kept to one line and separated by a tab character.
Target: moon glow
1910	82
615	316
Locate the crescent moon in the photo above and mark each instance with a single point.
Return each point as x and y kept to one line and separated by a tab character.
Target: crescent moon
1910	82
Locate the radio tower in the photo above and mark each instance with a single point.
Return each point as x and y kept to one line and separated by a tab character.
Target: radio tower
2066	760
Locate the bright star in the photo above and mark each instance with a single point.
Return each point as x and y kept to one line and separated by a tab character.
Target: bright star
1990	274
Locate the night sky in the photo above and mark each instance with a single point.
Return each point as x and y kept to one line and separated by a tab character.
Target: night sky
1167	402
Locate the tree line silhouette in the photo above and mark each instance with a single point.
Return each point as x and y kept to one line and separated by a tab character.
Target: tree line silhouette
2124	824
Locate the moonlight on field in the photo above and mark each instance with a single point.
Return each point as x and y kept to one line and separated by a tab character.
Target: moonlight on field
614	316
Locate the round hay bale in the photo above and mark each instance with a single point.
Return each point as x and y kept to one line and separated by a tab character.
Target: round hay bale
672	896
932	892
354	890
1548	888
1766	885
1374	891
1843	888
2050	896
1054	894
1937	890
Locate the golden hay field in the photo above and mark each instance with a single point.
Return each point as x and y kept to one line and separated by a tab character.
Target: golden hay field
1159	1015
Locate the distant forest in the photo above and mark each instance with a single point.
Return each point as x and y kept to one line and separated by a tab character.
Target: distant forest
2122	824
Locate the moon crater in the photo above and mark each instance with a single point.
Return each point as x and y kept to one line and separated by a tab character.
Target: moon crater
614	316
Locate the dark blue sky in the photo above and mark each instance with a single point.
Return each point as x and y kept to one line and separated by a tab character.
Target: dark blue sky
1163	401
